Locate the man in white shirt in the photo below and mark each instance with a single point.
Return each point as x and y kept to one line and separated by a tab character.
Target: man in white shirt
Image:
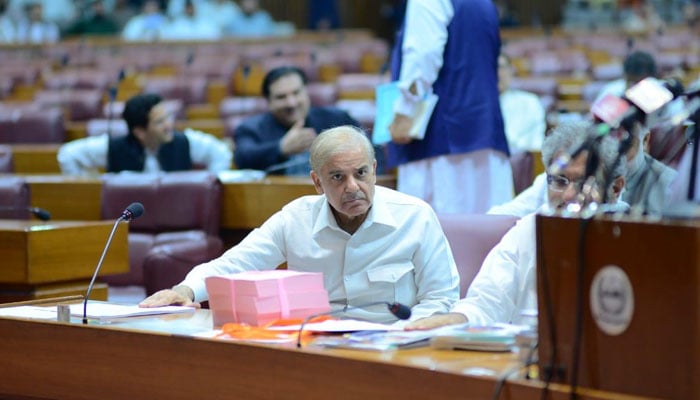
506	283
362	238
523	113
152	145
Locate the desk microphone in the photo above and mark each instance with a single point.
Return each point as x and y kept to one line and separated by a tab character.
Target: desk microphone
40	213
133	211
399	310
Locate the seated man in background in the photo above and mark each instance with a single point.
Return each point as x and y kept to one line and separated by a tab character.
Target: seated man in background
361	237
523	113
506	283
279	140
646	183
151	145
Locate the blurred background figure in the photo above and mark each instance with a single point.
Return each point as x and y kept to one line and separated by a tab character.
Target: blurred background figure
323	15
222	12
190	26
523	113
34	29
96	21
8	25
62	13
253	21
148	24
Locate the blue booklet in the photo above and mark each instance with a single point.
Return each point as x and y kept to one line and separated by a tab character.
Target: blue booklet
386	95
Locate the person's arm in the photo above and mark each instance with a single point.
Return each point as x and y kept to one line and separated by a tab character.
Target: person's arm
207	150
262	249
436	275
253	151
528	201
84	156
424	39
501	285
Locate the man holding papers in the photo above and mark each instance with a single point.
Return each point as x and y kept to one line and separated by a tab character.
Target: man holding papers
450	48
371	243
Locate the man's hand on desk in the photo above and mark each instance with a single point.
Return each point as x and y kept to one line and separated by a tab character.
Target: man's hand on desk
436	321
177	296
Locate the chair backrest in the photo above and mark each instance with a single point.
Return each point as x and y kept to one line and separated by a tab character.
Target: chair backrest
522	164
14	198
174	201
471	237
6	160
31	124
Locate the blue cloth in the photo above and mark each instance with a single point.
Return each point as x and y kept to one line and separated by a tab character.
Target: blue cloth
467	117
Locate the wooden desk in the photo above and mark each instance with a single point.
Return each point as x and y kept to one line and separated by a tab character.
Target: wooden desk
48	259
244	205
157	358
67	197
35	158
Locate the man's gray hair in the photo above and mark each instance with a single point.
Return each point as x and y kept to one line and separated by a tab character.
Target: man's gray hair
571	135
338	140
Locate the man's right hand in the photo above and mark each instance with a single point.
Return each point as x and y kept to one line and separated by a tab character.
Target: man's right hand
177	296
436	321
297	139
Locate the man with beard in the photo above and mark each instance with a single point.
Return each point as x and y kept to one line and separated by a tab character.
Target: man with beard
506	283
361	237
280	138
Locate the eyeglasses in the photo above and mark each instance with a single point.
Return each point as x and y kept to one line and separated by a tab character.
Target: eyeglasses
560	183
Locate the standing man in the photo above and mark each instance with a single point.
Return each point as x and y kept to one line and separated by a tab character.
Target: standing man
152	145
451	47
361	237
279	140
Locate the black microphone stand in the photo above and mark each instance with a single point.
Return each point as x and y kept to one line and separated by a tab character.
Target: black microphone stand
134	210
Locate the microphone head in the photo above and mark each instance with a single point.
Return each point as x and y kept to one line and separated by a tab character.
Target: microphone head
399	310
134	210
40	213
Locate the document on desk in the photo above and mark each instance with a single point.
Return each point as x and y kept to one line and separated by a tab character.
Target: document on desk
104	311
30	312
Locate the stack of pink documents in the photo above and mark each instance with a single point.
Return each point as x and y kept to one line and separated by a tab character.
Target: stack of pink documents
259	297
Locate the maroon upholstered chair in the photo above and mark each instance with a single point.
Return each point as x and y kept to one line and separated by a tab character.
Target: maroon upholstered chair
522	164
364	111
471	238
14	198
81	104
242	105
322	94
31	124
178	230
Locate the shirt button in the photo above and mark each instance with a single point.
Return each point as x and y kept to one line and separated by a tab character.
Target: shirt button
346	279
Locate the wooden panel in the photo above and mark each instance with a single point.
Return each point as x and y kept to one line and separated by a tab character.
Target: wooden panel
246	205
35	158
59	251
67	197
15	293
658	354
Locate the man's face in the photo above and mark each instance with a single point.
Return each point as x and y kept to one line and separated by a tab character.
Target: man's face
505	74
563	189
289	101
160	127
347	179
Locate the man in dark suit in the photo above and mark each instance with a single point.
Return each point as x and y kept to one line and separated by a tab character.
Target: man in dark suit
279	140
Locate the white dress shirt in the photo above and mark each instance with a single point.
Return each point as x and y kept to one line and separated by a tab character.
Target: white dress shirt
422	49
88	156
399	253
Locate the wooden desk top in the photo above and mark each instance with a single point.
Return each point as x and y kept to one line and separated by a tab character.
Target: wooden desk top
158	358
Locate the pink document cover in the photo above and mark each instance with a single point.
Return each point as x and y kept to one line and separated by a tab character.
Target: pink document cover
259	297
